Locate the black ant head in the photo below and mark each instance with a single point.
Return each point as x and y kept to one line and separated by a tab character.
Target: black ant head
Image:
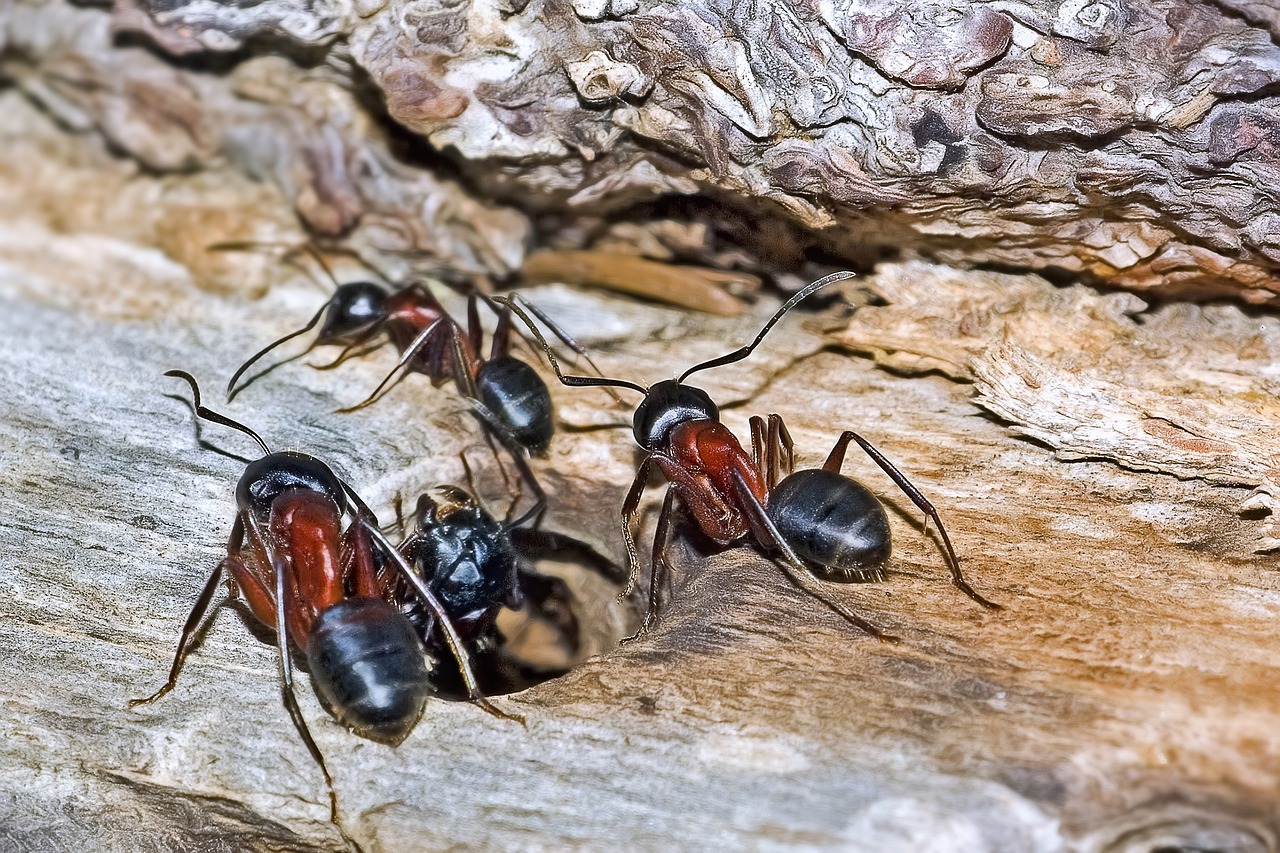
355	307
267	478
668	404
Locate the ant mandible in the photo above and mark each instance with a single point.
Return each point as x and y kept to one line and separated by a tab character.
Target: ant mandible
821	522
316	584
507	395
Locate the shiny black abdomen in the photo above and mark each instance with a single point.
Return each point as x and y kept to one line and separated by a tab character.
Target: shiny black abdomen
832	522
519	399
267	478
369	667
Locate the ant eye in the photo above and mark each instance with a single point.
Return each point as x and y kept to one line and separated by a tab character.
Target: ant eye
355	307
276	473
667	405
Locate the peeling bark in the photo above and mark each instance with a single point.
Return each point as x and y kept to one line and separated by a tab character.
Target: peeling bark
1128	141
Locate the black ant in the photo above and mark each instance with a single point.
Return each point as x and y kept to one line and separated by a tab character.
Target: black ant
507	395
315	582
478	565
821	522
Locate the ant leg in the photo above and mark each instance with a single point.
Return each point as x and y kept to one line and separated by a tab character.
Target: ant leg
572	381
780	437
658	567
475	490
356	349
493	451
490	423
466	385
475	332
291	699
791	564
560	333
289	250
758	447
194	618
836	459
630	508
446	625
543	544
401	368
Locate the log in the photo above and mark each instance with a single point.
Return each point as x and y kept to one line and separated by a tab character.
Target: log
1124	700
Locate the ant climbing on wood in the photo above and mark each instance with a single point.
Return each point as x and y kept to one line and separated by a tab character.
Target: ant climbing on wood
820	522
302	554
507	395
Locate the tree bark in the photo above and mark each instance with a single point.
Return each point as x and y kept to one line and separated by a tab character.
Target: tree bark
1132	142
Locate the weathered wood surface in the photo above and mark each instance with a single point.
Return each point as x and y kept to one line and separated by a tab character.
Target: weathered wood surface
1126	700
1133	141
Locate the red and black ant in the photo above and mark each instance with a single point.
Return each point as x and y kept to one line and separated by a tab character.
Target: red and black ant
507	395
821	522
302	554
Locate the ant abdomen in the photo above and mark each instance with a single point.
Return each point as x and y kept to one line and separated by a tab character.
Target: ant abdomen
833	523
516	395
370	668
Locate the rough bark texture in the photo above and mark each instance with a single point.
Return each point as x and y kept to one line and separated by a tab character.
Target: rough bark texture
1132	141
1126	699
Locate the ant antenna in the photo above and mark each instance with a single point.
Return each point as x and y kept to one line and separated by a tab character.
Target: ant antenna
288	250
575	381
564	336
740	354
232	390
211	415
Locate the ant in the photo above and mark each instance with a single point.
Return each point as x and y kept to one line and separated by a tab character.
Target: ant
477	566
315	582
821	523
507	395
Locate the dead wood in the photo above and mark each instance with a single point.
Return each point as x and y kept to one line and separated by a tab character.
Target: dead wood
1125	700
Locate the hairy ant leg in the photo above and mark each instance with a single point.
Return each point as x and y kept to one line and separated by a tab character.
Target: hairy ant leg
659	570
403	366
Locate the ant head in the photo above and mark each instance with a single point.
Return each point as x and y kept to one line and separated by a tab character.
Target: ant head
667	405
354	308
267	478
